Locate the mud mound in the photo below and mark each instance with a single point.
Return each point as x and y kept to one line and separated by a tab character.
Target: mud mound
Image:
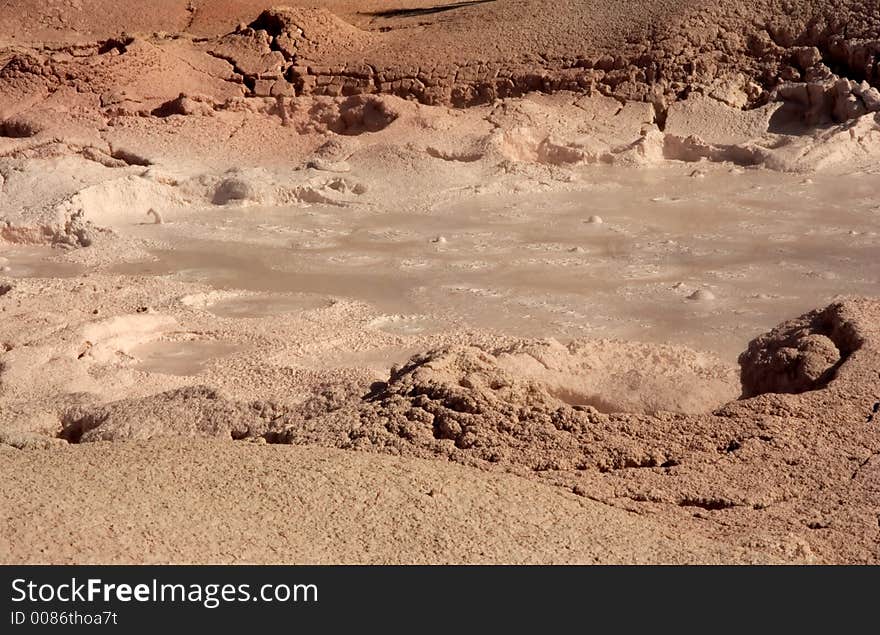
233	189
516	406
799	355
510	407
529	404
457	403
310	33
535	404
273	53
352	116
19	127
792	473
195	411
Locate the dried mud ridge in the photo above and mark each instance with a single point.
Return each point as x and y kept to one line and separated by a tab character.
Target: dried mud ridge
826	62
797	451
664	71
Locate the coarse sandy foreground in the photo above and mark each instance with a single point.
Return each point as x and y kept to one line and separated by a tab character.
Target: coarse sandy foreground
440	282
162	501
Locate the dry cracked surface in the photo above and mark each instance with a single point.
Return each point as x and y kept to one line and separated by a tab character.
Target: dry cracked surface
821	58
247	256
642	51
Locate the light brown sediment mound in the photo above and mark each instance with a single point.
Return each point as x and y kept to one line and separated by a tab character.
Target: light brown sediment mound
793	474
517	381
802	468
233	189
195	411
799	355
311	33
534	406
351	116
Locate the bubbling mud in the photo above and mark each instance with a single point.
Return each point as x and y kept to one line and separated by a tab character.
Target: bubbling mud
704	263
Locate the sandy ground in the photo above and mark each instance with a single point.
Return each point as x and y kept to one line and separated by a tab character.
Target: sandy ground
345	285
275	504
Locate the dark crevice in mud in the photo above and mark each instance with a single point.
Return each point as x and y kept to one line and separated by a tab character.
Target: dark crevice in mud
73	428
272	22
18	129
168	108
709	504
862	465
410	13
733	446
241	76
5	288
183	104
631	464
130	157
276	437
193	11
113	44
661	112
824	524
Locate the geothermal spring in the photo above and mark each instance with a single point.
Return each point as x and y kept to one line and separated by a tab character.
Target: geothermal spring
441	283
